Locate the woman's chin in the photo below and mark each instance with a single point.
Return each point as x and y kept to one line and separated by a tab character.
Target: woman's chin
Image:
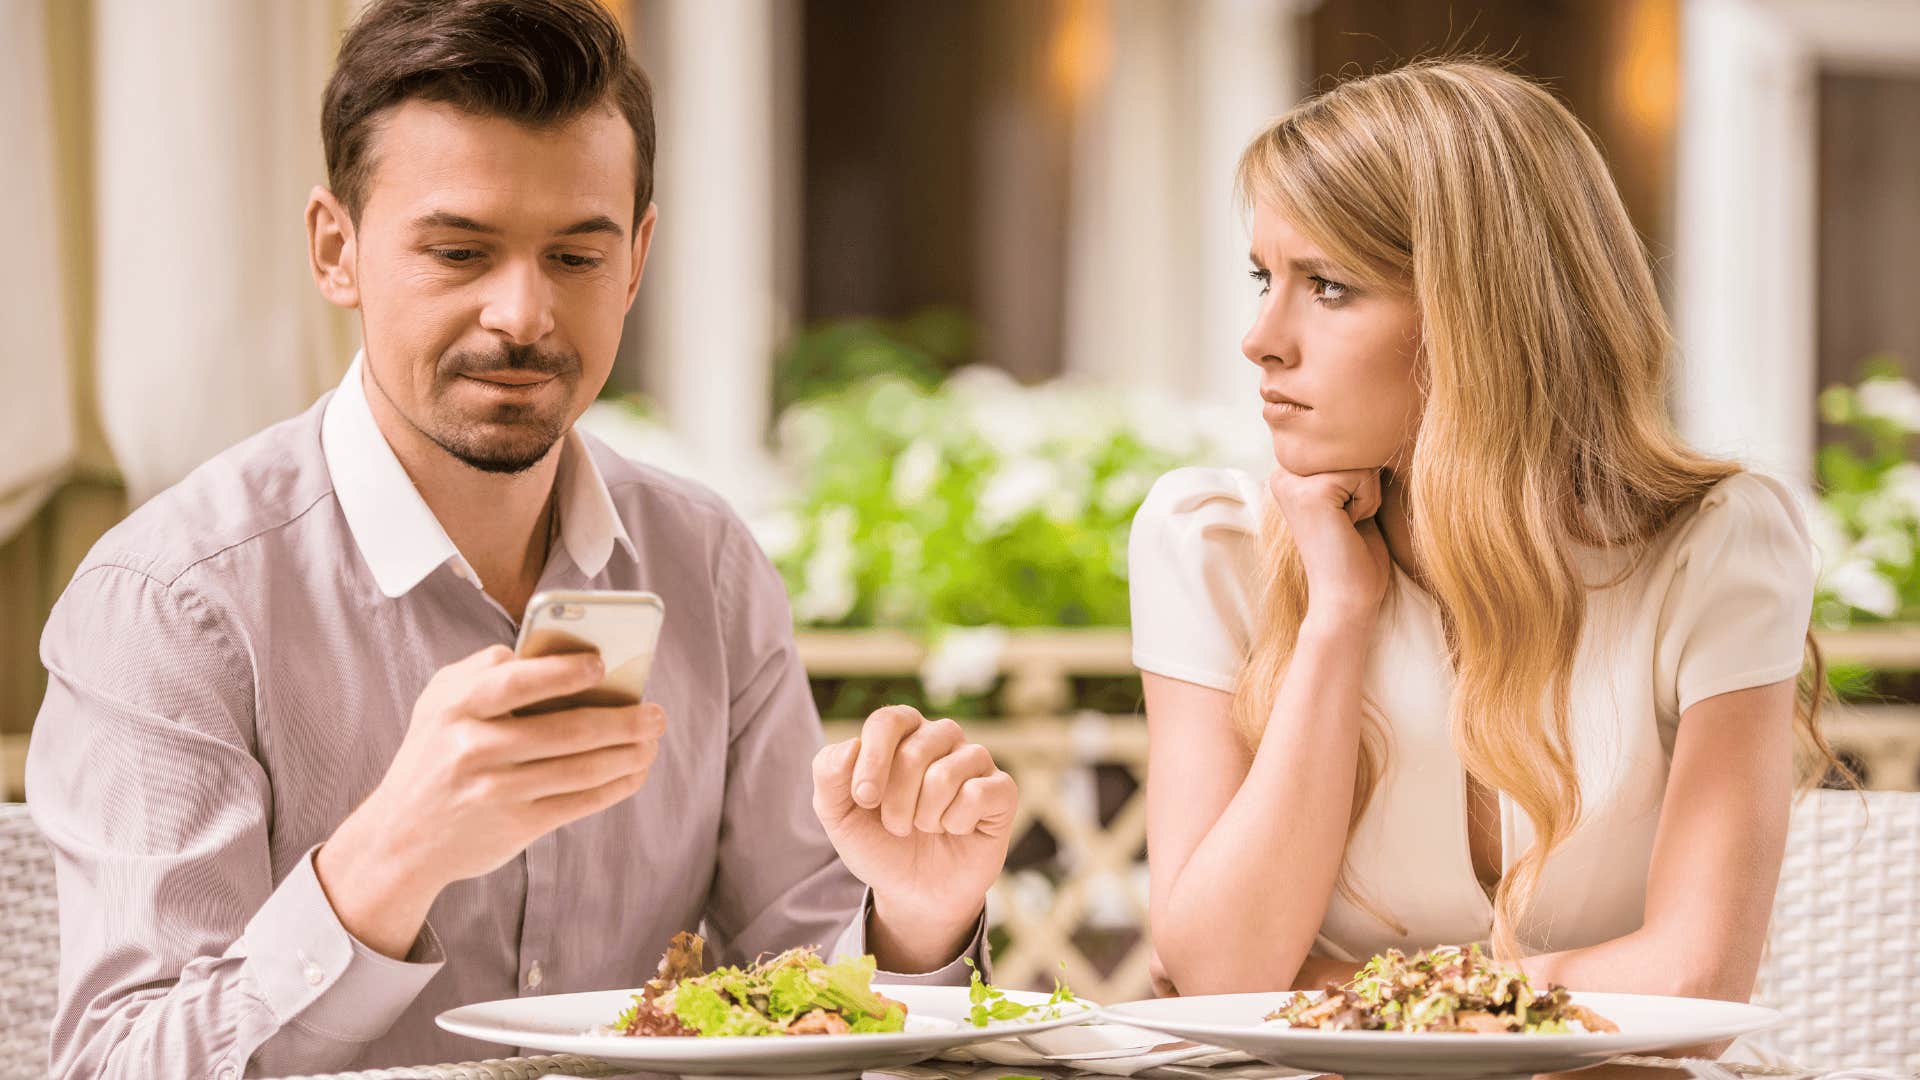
1302	458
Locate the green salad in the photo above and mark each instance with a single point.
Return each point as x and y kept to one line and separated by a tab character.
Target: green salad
794	993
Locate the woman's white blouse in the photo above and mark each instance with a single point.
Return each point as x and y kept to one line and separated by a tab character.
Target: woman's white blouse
1721	603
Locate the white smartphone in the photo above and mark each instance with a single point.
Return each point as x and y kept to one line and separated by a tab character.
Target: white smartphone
623	627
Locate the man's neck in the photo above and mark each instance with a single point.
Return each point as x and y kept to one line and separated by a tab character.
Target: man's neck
499	522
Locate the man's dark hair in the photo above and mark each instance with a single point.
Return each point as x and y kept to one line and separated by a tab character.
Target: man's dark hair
536	62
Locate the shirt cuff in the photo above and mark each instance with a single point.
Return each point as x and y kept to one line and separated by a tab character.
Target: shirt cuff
853	942
310	970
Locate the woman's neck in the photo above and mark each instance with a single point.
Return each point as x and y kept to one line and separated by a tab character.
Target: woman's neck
1397	527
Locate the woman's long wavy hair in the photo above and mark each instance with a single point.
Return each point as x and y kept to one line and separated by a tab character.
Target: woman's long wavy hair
1544	361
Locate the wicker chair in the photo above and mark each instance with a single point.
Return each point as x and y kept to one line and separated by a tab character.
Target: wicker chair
1843	959
29	944
1843	955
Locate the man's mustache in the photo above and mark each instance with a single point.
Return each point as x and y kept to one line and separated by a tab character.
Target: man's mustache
528	358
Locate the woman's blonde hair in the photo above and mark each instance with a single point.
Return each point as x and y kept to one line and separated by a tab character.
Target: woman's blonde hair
1544	362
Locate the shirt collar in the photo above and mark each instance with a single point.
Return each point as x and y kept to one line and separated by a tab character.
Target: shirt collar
395	530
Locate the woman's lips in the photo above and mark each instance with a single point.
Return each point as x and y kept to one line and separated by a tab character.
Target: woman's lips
1280	407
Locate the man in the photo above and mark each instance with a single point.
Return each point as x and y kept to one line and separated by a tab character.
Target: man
293	814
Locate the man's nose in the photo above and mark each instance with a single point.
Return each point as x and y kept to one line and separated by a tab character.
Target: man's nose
519	303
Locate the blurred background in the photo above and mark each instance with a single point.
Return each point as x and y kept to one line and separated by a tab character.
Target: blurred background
940	288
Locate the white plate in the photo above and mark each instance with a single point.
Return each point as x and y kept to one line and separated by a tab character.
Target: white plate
936	1021
1646	1024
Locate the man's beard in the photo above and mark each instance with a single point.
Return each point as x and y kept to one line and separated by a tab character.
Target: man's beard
508	438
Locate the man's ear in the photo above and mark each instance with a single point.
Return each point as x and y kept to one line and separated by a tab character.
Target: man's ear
331	244
642	243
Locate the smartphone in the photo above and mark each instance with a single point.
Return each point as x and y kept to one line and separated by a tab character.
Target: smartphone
623	627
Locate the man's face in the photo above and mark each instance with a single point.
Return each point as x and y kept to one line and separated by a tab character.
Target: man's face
494	265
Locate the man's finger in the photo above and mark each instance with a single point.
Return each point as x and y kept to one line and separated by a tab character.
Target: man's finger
942	784
833	780
917	752
881	734
986	804
584	771
557	810
575	731
517	683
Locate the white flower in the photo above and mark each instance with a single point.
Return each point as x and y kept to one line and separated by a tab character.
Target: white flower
965	660
1901	484
1018	486
1858	584
779	533
1831	538
828	593
1008	417
804	432
1125	490
1892	547
1890	399
915	471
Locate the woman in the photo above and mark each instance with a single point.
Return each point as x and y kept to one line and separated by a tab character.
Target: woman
1490	655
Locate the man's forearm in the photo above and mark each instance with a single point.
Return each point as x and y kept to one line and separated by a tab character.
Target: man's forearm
378	898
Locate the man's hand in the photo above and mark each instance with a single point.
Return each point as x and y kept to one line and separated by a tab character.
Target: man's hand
473	785
923	817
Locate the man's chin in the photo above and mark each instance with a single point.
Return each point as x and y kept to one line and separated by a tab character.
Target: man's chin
504	454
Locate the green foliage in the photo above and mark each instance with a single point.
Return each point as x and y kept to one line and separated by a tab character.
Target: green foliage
975	503
830	356
1867	521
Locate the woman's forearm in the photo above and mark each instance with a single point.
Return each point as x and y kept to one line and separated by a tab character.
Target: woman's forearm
1244	909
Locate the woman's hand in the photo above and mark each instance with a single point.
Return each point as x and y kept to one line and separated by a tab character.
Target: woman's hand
1331	517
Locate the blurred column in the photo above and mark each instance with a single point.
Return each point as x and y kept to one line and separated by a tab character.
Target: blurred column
37	429
711	306
1157	288
1745	244
206	144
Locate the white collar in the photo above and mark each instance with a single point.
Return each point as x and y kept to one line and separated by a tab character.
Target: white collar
397	533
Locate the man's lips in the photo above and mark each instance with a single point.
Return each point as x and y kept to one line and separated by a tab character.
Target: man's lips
511	378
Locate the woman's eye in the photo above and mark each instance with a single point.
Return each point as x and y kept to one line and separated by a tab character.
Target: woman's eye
1329	292
1265	279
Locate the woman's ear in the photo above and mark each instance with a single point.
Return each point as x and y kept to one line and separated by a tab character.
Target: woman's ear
331	248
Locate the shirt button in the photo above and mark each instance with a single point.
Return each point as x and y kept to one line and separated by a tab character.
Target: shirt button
227	1072
534	976
314	973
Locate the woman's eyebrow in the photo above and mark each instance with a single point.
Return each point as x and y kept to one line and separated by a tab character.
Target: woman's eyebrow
1310	266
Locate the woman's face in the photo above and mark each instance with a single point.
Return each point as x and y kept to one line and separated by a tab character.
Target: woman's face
1338	362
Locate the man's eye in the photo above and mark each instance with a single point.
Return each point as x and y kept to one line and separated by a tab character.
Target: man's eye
578	262
455	255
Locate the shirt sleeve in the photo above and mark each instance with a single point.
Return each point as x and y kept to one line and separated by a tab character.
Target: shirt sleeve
1190	565
779	883
1737	608
180	954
